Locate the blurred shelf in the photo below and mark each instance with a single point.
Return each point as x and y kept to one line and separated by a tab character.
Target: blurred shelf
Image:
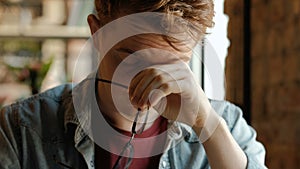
26	3
44	31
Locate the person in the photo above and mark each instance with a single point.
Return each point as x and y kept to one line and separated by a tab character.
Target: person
142	108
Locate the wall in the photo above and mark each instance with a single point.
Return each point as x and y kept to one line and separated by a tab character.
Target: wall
276	79
235	59
275	74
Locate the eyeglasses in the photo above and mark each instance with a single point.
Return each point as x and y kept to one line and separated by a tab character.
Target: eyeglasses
128	149
126	155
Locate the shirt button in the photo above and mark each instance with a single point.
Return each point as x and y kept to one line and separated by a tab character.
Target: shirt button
164	164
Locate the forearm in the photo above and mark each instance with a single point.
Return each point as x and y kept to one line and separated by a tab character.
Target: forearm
222	150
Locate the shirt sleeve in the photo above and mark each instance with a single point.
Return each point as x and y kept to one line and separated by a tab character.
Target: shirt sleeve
8	146
245	136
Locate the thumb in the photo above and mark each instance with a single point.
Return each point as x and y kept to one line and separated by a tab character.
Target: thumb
158	100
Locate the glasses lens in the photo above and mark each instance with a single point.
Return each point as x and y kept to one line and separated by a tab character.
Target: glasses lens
125	157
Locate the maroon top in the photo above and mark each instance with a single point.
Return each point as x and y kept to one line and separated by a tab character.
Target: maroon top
106	160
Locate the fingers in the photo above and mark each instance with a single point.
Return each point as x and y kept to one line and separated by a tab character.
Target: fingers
150	73
151	85
140	82
152	97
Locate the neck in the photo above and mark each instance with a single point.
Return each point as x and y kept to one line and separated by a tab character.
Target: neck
109	111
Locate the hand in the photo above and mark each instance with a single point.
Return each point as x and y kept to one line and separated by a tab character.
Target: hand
176	84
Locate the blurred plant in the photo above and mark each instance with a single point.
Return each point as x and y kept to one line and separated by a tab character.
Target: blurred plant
32	73
23	61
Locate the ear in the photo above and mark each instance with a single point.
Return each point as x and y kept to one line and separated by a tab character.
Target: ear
94	23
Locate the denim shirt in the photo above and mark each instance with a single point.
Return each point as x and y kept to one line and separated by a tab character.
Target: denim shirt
44	132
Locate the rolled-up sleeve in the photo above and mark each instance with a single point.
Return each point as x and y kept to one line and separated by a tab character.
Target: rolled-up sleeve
245	136
8	141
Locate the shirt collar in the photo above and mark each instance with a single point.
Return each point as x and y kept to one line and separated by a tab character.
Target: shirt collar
77	105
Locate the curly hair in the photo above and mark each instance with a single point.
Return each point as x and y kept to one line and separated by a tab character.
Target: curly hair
199	13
